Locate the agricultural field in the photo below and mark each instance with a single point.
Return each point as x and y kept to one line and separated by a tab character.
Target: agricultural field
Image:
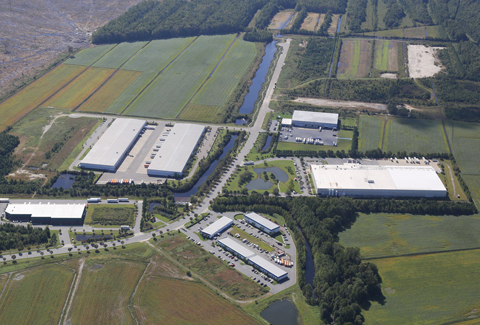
387	235
355	59
36	296
111	215
78	90
119	55
386	55
312	21
168	94
89	56
381	11
17	106
279	20
334	26
370	131
422	136
429	289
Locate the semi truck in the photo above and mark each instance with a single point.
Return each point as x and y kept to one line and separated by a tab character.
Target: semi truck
94	200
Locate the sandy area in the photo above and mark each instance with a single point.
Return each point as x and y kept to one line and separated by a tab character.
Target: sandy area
421	61
339	103
310	22
279	19
389	75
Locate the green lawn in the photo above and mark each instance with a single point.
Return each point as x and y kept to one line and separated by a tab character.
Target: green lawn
370	132
381	55
89	56
246	235
118	55
101	215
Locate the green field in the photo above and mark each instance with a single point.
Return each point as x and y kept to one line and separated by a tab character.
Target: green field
119	55
89	56
123	214
431	289
168	94
385	235
415	135
349	59
36	296
381	55
370	132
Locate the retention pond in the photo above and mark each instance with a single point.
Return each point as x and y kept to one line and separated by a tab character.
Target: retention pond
281	312
261	184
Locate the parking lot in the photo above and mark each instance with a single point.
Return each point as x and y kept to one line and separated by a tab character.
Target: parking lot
326	137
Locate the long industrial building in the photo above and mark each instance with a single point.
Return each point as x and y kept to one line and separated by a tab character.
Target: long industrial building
261	223
377	181
217	227
314	119
112	147
174	152
49	214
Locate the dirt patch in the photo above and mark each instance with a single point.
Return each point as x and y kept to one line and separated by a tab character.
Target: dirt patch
160	266
346	56
172	243
310	22
18	277
389	291
279	19
423	61
229	277
188	255
340	103
96	267
393	56
365	61
389	75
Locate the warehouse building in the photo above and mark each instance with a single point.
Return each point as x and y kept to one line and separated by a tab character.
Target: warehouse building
112	147
314	119
377	181
262	223
49	214
217	227
175	150
235	248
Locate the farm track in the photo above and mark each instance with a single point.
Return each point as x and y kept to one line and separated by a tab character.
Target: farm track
6	284
154	78
130	304
77	282
448	141
421	254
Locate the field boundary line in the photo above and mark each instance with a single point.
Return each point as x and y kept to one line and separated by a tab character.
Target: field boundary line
384	131
130	304
108	79
209	76
422	253
6	284
154	78
77	283
62	315
446	138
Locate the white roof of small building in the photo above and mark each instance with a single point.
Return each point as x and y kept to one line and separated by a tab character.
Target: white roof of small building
317	117
114	142
286	121
236	247
262	221
272	268
177	148
354	176
72	211
217	225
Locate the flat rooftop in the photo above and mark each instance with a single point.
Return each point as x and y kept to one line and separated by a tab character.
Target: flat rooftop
177	148
114	142
69	211
354	176
317	117
270	267
239	249
217	226
262	221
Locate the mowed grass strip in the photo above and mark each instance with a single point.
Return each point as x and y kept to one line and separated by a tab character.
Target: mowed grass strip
349	59
226	77
381	55
88	56
104	293
19	105
169	301
36	296
202	113
123	214
383	235
106	96
429	289
118	55
370	132
415	135
171	91
78	90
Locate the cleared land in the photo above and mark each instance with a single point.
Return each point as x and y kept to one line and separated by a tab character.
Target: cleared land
89	56
421	136
111	215
170	92
333	27
430	289
340	103
422	61
279	19
78	90
118	55
355	59
370	132
17	106
36	296
311	21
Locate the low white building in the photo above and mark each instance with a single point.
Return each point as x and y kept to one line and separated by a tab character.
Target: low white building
262	223
377	181
236	248
49	214
308	119
217	227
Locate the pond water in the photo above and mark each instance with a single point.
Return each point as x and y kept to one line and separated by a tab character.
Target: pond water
152	205
261	184
261	74
210	170
64	181
258	184
281	312
82	237
267	143
279	174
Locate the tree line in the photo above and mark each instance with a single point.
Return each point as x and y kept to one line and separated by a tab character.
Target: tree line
8	143
417	10
21	237
356	14
315	61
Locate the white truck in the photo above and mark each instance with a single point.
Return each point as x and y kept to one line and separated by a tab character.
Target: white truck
94	200
123	199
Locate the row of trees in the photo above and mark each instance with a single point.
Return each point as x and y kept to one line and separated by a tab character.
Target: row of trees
394	15
19	237
357	14
417	10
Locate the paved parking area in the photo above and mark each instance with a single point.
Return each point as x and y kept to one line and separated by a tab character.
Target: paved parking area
290	134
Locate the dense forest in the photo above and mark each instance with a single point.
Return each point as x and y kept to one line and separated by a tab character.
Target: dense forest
394	15
264	17
460	18
21	237
356	13
462	60
8	143
450	90
417	10
323	6
315	62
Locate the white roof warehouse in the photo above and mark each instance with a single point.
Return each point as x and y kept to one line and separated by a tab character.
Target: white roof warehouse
52	214
216	227
314	119
262	223
380	181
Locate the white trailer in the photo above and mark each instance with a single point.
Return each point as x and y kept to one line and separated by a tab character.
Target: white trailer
94	200
123	199
4	200
112	201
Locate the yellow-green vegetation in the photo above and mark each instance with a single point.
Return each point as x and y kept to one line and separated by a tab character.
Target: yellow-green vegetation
89	56
381	55
382	235
370	132
36	296
78	90
244	235
119	55
429	289
239	216
123	214
17	106
446	178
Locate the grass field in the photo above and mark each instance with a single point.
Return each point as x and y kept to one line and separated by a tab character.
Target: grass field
430	289
89	56
422	136
384	235
17	106
385	58
111	215
369	20
355	59
106	96
192	303
310	21
78	90
386	33
119	55
370	132
168	94
36	296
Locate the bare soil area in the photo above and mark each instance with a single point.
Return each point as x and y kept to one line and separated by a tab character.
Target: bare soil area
310	22
279	19
340	103
422	61
33	33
